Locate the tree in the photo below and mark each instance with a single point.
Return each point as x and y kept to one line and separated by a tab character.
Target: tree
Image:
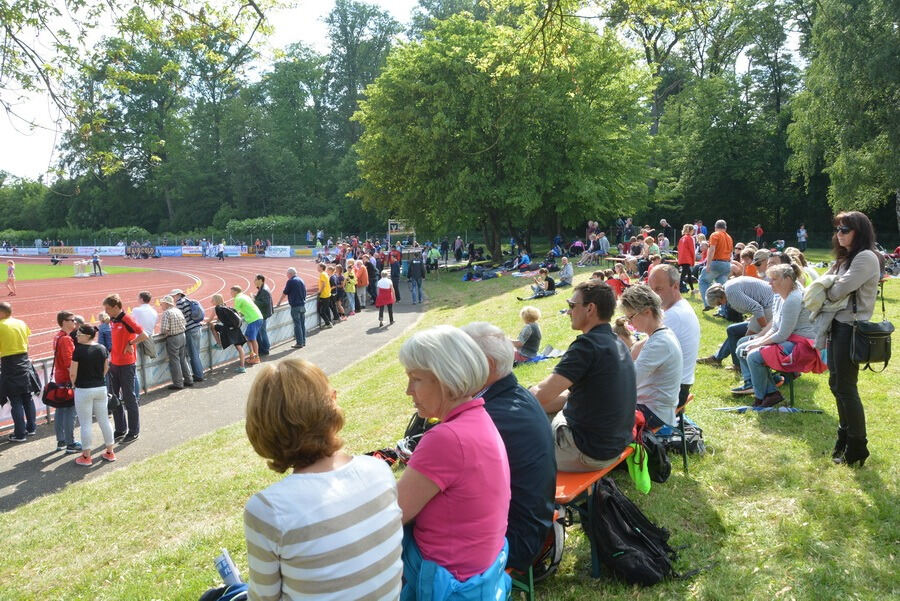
846	120
464	127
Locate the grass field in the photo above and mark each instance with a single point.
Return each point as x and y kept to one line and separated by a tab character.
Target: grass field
44	271
765	508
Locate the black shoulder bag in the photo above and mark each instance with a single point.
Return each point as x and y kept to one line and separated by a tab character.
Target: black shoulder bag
871	341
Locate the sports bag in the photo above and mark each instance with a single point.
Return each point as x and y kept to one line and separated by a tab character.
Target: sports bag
196	312
658	463
871	341
630	546
58	396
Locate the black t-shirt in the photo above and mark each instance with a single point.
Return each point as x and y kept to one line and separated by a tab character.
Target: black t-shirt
600	410
91	359
551	285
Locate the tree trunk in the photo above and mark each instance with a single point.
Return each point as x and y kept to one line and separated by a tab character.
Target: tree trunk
167	195
492	237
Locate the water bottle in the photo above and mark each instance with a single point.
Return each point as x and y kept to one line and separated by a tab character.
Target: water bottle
227	569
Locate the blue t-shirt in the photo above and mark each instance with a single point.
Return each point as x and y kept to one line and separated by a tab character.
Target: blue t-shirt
296	292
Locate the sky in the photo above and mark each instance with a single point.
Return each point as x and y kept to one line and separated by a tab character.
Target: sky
29	153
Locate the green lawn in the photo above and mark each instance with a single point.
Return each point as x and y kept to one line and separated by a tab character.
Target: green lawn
44	271
765	506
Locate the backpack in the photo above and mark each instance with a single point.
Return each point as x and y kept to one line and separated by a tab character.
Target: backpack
415	429
658	462
630	546
196	310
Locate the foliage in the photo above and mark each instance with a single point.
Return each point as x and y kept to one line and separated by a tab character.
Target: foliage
464	128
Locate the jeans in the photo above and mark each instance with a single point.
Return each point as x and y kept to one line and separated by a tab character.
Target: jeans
121	378
178	363
192	339
415	290
21	407
350	302
262	339
298	315
715	272
64	423
755	371
842	378
735	332
91	403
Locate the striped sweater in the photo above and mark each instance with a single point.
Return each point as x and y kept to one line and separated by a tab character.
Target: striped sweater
332	535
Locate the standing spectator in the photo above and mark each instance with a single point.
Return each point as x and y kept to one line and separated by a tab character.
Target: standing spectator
324	299
88	368
244	305
416	274
687	256
295	291
718	265
395	263
858	270
145	314
385	298
802	237
445	249
64	417
263	301
17	380
309	238
126	335
225	324
458	248
758	230
220	250
362	283
592	390
338	294
104	332
350	288
194	325
372	273
95	261
172	328
11	277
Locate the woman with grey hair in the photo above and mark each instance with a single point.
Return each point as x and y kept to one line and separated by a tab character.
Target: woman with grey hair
790	318
658	360
459	469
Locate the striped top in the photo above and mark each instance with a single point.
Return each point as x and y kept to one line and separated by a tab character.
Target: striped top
332	535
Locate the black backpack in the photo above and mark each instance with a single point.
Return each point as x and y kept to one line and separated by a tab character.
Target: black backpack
658	463
632	548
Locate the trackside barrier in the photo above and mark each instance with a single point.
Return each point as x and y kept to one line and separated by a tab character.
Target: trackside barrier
154	373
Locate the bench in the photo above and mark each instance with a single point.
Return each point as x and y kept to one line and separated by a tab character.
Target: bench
574	492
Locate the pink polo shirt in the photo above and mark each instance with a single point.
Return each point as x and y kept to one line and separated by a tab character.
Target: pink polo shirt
462	528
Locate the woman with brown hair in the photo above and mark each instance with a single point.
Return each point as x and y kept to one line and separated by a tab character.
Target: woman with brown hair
330	529
858	270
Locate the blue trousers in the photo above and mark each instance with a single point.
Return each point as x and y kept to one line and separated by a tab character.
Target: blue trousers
734	333
716	272
192	338
262	338
298	315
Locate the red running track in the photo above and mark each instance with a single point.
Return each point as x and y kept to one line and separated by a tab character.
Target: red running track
38	301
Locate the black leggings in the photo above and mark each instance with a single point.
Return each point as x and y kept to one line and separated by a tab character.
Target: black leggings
687	277
842	377
390	309
324	308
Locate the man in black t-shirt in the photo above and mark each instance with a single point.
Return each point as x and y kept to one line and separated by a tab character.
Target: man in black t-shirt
592	388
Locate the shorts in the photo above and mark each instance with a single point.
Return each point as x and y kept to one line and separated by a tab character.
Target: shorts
253	329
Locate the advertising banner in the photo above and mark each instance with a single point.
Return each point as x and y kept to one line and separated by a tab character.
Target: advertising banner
139	252
191	251
28	251
278	251
103	251
62	250
169	251
235	251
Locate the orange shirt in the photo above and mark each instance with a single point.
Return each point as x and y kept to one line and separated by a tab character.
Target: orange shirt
751	271
724	246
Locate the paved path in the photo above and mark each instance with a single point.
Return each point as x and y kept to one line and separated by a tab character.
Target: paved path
35	468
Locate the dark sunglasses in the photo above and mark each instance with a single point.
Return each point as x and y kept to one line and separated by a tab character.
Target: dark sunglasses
843	229
573	305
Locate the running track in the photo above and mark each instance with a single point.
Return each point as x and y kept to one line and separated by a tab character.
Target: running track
38	301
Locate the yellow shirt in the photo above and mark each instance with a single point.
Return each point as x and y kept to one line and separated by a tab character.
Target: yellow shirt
324	285
13	337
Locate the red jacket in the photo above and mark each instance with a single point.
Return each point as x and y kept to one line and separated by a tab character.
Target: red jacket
804	358
686	252
63	346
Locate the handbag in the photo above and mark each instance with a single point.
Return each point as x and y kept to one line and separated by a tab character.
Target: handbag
113	402
871	341
58	396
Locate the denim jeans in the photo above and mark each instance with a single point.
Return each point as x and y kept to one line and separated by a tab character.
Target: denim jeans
716	272
734	333
298	315
193	351
742	361
64	422
350	302
415	290
754	369
262	338
21	407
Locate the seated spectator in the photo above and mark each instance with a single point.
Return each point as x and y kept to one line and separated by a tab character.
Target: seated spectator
657	359
746	258
331	528
592	389
522	262
459	469
681	318
528	343
810	274
588	255
543	284
566	273
576	248
529	446
790	318
744	295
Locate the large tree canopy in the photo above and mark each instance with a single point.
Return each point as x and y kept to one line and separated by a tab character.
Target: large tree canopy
464	128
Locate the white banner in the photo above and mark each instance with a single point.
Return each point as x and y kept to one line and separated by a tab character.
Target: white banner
28	251
191	251
278	251
103	251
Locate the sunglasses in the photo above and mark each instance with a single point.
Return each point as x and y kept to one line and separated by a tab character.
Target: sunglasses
573	305
843	229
